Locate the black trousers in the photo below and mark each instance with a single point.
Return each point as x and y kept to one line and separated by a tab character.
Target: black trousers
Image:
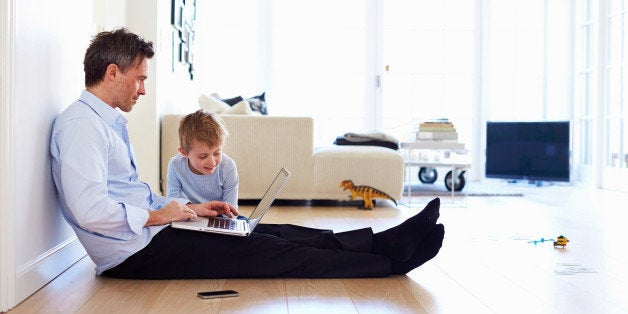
271	251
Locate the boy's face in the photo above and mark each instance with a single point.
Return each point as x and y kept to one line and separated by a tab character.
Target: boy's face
203	159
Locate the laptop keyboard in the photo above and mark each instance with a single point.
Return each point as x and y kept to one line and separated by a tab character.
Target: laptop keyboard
222	223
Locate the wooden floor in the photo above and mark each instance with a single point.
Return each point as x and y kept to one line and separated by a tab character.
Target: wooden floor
487	265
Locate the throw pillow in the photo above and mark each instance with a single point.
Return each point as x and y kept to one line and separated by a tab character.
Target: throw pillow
212	104
258	103
233	101
241	107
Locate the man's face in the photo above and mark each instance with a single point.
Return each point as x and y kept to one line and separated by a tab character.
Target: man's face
203	159
130	85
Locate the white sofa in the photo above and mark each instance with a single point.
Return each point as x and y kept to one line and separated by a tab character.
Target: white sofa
260	145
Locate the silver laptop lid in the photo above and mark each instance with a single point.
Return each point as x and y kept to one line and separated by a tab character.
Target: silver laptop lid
269	196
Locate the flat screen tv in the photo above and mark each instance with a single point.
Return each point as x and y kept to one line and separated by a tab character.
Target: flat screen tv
534	151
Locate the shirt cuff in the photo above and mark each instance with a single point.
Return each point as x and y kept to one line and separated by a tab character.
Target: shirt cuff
136	218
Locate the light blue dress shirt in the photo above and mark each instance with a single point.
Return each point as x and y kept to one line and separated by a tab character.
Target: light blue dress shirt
94	171
222	185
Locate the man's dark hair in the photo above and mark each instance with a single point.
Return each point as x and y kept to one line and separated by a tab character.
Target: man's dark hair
119	47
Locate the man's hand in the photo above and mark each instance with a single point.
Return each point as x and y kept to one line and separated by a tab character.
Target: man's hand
214	208
173	211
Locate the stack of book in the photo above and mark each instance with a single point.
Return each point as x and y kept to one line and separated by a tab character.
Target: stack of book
437	130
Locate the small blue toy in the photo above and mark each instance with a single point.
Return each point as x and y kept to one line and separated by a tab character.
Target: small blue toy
541	241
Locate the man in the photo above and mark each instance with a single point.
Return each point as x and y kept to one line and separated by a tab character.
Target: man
124	226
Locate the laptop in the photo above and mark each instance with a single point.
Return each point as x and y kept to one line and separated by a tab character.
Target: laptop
238	227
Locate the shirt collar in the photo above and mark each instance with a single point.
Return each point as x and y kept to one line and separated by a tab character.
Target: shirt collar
110	115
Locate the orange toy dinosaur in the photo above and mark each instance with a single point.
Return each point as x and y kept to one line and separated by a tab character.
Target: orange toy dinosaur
367	193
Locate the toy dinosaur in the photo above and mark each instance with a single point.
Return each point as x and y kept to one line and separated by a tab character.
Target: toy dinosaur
367	193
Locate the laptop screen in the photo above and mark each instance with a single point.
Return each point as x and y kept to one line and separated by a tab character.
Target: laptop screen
271	193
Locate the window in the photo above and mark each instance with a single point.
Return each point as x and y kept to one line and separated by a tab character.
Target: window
429	57
515	56
318	62
528	60
617	83
521	60
227	56
585	95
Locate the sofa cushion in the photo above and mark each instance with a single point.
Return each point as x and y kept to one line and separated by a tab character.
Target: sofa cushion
378	167
212	104
260	145
258	103
241	107
232	101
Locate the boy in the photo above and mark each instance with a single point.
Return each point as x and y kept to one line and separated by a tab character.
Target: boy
201	172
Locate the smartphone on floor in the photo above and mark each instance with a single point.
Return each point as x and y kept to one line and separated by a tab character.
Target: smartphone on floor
217	294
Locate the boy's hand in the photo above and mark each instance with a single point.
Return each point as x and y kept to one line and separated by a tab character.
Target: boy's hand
214	208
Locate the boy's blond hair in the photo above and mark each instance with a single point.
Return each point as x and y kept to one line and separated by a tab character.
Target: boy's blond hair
202	126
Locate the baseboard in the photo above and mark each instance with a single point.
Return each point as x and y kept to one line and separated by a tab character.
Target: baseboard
47	266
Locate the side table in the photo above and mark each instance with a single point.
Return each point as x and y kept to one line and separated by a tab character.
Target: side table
457	168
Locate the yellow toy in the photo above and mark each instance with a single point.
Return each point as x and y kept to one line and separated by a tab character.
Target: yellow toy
367	193
561	240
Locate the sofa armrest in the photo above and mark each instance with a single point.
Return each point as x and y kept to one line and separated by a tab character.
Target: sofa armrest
169	144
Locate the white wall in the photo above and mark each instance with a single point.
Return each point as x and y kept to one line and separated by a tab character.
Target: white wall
143	121
175	92
166	91
47	76
7	265
46	45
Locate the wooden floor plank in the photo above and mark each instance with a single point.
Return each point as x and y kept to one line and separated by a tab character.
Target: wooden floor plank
438	293
256	296
55	297
180	296
124	296
382	295
318	296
